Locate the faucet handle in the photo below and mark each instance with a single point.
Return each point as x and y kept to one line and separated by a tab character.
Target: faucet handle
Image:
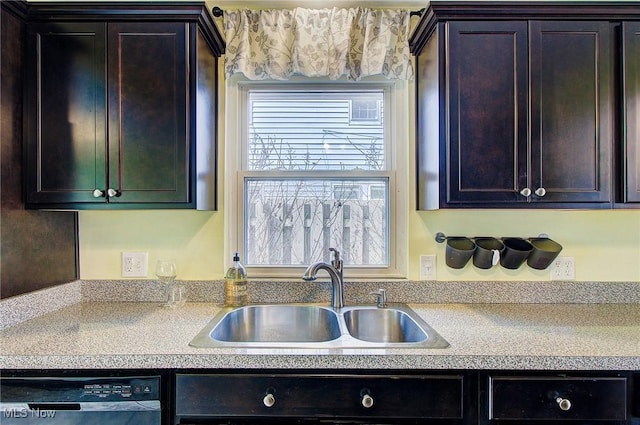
381	297
336	254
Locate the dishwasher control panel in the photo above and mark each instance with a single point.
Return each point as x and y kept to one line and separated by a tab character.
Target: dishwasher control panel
64	389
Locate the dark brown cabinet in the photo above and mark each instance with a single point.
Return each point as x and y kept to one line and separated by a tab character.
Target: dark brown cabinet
529	398
121	108
631	117
338	397
513	111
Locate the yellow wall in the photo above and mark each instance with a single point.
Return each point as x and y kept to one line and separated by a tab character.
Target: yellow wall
604	244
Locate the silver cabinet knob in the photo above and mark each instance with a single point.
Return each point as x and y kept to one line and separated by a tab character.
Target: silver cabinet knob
269	400
541	191
525	192
563	403
97	193
367	401
113	193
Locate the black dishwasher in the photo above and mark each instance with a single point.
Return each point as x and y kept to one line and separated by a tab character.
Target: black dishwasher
287	398
80	400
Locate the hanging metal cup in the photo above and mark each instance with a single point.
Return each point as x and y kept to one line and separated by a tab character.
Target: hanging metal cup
487	253
544	252
458	252
516	251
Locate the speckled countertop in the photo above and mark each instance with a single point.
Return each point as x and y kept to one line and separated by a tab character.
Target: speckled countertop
91	334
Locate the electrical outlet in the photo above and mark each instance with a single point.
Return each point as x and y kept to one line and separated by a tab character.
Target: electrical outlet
563	268
135	264
428	267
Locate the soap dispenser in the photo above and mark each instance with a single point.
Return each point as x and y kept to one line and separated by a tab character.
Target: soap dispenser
236	284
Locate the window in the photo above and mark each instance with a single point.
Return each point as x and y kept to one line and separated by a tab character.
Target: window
314	172
366	111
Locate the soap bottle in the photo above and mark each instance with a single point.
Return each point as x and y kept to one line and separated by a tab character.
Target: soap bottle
236	284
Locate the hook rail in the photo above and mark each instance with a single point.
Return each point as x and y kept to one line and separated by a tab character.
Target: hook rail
441	237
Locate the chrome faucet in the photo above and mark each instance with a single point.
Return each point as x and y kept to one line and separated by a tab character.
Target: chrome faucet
335	272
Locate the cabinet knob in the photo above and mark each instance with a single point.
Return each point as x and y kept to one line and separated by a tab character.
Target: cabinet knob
113	193
269	400
563	403
367	401
541	191
525	192
97	193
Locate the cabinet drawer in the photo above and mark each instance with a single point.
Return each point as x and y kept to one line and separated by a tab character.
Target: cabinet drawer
202	396
558	398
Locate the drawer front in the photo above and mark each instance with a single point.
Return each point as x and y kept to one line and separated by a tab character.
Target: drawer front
558	398
199	396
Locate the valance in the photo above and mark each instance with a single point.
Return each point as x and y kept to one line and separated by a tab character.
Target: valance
356	42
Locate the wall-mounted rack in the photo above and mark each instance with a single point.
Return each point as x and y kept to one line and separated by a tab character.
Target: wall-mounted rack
441	237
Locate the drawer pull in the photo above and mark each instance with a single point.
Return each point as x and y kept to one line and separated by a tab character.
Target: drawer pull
365	399
269	400
563	403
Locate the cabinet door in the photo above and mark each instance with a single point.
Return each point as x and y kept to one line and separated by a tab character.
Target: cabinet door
375	398
631	84
149	141
571	111
65	113
487	80
551	398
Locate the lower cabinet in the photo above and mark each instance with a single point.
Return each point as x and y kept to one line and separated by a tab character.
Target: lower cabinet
291	398
348	396
557	398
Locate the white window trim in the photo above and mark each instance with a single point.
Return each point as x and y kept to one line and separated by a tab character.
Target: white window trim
398	131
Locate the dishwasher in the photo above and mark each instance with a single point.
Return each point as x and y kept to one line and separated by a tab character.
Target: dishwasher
80	400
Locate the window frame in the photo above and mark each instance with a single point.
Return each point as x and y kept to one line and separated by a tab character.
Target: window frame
396	150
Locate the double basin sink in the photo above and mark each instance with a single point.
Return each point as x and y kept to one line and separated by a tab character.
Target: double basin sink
318	326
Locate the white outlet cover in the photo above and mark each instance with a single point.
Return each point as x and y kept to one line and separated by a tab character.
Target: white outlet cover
563	268
135	264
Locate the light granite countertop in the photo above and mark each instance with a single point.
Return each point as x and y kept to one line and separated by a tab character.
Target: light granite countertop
92	334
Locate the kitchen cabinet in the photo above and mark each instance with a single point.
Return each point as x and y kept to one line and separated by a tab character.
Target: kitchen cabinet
514	109
121	106
212	397
525	398
631	117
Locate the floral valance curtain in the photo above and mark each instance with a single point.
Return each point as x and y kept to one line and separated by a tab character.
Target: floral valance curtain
356	42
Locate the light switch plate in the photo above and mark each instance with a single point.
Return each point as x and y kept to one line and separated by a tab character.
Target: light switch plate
428	267
135	264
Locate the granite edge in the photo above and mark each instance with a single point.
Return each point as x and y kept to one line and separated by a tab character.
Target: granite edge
23	307
324	361
404	291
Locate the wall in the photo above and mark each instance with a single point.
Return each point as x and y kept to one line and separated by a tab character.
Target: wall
38	247
605	244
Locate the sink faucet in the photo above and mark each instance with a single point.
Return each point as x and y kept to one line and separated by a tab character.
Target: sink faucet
335	272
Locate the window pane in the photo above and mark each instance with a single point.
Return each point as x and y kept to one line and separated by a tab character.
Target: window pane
307	130
296	221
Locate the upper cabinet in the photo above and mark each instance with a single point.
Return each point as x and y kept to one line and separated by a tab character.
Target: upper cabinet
121	106
631	93
517	107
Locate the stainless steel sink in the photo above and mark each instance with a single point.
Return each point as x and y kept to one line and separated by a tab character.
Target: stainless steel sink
318	326
383	325
278	323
